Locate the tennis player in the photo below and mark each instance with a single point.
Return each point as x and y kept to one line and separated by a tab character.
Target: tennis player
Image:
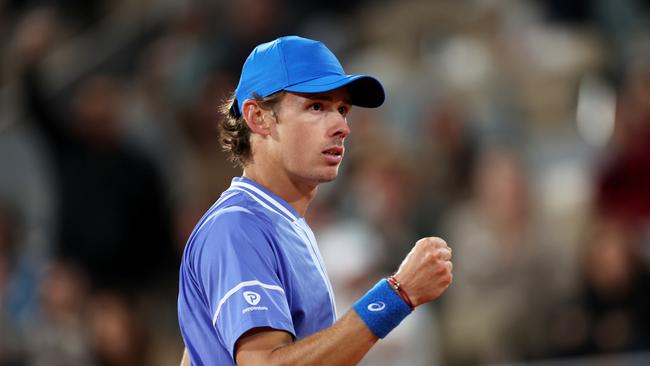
253	287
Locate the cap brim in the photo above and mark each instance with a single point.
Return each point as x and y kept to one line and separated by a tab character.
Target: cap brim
365	91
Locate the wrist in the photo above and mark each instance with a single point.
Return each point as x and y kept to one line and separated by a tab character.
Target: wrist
382	309
397	287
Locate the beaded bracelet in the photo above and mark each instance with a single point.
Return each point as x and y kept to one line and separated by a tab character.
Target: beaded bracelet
400	291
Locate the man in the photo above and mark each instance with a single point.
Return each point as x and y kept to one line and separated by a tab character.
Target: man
253	288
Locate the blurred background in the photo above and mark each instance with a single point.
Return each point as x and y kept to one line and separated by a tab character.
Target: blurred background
519	131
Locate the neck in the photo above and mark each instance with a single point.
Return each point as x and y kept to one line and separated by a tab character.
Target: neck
298	194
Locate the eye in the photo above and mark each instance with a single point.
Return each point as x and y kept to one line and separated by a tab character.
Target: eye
344	110
317	106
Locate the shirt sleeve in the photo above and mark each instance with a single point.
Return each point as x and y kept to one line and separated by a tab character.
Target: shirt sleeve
238	271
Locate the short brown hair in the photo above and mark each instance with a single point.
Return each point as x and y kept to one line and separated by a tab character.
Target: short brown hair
234	134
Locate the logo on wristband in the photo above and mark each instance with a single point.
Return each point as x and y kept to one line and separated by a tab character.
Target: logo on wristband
376	306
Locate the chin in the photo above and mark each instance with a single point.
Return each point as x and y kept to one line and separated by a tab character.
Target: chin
328	176
318	175
329	179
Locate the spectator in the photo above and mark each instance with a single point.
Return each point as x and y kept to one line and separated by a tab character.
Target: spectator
57	335
609	314
117	335
492	313
113	215
12	347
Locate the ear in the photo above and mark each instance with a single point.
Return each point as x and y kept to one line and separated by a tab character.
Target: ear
256	118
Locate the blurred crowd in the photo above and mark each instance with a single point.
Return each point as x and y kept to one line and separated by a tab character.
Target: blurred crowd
519	131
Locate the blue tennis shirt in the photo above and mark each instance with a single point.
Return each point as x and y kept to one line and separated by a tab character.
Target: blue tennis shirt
250	262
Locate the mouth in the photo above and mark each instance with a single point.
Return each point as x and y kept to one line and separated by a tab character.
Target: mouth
334	151
334	155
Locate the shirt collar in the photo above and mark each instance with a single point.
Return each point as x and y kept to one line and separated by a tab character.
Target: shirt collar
275	202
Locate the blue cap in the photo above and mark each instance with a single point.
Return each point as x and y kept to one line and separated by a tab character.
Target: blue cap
301	65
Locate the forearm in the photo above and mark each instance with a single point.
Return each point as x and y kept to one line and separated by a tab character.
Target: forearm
426	274
344	343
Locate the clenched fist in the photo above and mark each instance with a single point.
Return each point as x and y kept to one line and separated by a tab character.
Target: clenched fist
425	273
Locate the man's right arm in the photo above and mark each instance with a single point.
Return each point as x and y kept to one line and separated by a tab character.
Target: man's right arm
425	274
344	343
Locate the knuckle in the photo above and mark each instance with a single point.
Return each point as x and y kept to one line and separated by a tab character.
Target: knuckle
439	242
431	257
422	242
432	241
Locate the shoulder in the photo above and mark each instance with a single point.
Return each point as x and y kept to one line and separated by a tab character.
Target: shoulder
237	211
233	224
233	235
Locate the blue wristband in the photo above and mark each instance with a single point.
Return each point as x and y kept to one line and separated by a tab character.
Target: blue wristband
382	309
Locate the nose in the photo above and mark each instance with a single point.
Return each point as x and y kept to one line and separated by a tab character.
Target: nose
341	128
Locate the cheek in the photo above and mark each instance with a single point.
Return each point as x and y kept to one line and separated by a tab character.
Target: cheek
299	139
301	142
302	147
